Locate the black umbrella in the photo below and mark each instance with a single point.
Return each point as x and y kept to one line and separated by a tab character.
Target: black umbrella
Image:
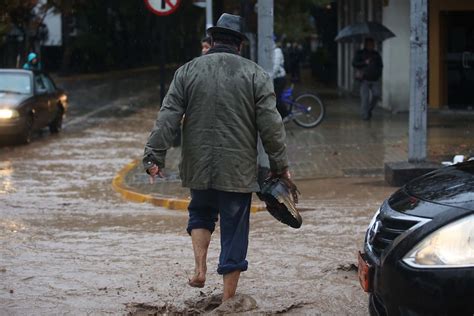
359	31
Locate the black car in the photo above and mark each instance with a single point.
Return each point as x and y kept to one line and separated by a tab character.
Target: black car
29	101
418	256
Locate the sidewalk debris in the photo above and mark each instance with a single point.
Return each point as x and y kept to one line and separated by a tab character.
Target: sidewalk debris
457	159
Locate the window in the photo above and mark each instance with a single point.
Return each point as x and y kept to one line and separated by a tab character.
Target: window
40	87
48	83
15	83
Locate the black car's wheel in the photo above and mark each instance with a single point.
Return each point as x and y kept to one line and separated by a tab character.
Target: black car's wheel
56	125
27	133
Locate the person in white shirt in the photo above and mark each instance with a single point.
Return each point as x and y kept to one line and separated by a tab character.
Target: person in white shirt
279	78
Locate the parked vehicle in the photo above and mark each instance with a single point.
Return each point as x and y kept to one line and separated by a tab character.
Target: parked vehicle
418	256
29	101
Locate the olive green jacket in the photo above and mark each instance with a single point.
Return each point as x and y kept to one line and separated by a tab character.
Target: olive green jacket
226	101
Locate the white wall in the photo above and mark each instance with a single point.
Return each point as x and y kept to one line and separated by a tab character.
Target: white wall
396	57
54	23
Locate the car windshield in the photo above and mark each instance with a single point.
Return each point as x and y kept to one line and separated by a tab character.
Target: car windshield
15	83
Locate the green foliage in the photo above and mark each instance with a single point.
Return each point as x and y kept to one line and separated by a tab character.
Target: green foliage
17	12
4	27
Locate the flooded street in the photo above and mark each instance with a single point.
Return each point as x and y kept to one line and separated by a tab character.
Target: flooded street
70	244
369	92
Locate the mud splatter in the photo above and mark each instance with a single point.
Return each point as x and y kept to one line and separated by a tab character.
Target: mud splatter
211	305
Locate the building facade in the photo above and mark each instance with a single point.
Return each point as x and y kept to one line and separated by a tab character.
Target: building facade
450	51
349	12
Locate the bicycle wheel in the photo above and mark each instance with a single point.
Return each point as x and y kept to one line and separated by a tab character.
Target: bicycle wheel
308	110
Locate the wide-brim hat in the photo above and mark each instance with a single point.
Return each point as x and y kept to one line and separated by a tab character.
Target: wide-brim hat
230	24
280	203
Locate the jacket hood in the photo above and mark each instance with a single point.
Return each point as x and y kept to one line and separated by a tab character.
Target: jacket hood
32	56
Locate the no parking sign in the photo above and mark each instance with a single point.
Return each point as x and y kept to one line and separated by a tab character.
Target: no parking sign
162	7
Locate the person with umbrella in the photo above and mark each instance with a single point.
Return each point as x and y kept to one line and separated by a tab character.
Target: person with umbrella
368	64
367	61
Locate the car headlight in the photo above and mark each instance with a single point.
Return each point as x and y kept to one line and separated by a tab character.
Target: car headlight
451	246
8	114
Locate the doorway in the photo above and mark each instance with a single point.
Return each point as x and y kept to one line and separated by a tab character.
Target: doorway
459	59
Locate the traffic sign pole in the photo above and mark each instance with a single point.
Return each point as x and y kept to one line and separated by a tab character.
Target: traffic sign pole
209	18
162	62
265	57
162	8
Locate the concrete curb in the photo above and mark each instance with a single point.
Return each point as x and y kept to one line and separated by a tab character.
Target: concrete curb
118	184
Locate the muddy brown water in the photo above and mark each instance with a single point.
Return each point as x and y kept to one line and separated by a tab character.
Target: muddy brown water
70	245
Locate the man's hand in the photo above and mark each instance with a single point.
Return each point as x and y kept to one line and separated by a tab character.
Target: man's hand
154	171
284	175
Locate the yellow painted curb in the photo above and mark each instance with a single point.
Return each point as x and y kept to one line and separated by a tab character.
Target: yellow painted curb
170	203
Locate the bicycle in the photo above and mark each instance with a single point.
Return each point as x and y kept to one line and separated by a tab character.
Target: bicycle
306	110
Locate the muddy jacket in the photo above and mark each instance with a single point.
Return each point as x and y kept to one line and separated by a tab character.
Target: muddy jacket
227	100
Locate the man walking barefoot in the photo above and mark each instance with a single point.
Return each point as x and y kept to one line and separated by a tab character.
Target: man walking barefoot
227	101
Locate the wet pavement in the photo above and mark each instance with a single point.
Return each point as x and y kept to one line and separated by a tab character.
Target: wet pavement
69	244
342	146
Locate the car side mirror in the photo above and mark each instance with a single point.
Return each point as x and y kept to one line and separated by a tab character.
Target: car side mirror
41	92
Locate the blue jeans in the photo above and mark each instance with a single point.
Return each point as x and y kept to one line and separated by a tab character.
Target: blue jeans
234	211
370	92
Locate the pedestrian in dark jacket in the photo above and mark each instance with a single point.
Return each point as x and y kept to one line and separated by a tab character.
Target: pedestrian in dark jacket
227	101
368	65
279	78
295	58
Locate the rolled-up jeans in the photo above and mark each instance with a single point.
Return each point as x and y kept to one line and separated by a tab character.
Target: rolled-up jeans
370	93
234	211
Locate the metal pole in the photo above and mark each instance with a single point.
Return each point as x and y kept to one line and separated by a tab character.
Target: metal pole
340	65
265	34
162	61
265	56
347	61
209	17
418	81
243	14
370	10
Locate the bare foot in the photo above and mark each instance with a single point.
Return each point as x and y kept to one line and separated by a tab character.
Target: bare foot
230	285
198	280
